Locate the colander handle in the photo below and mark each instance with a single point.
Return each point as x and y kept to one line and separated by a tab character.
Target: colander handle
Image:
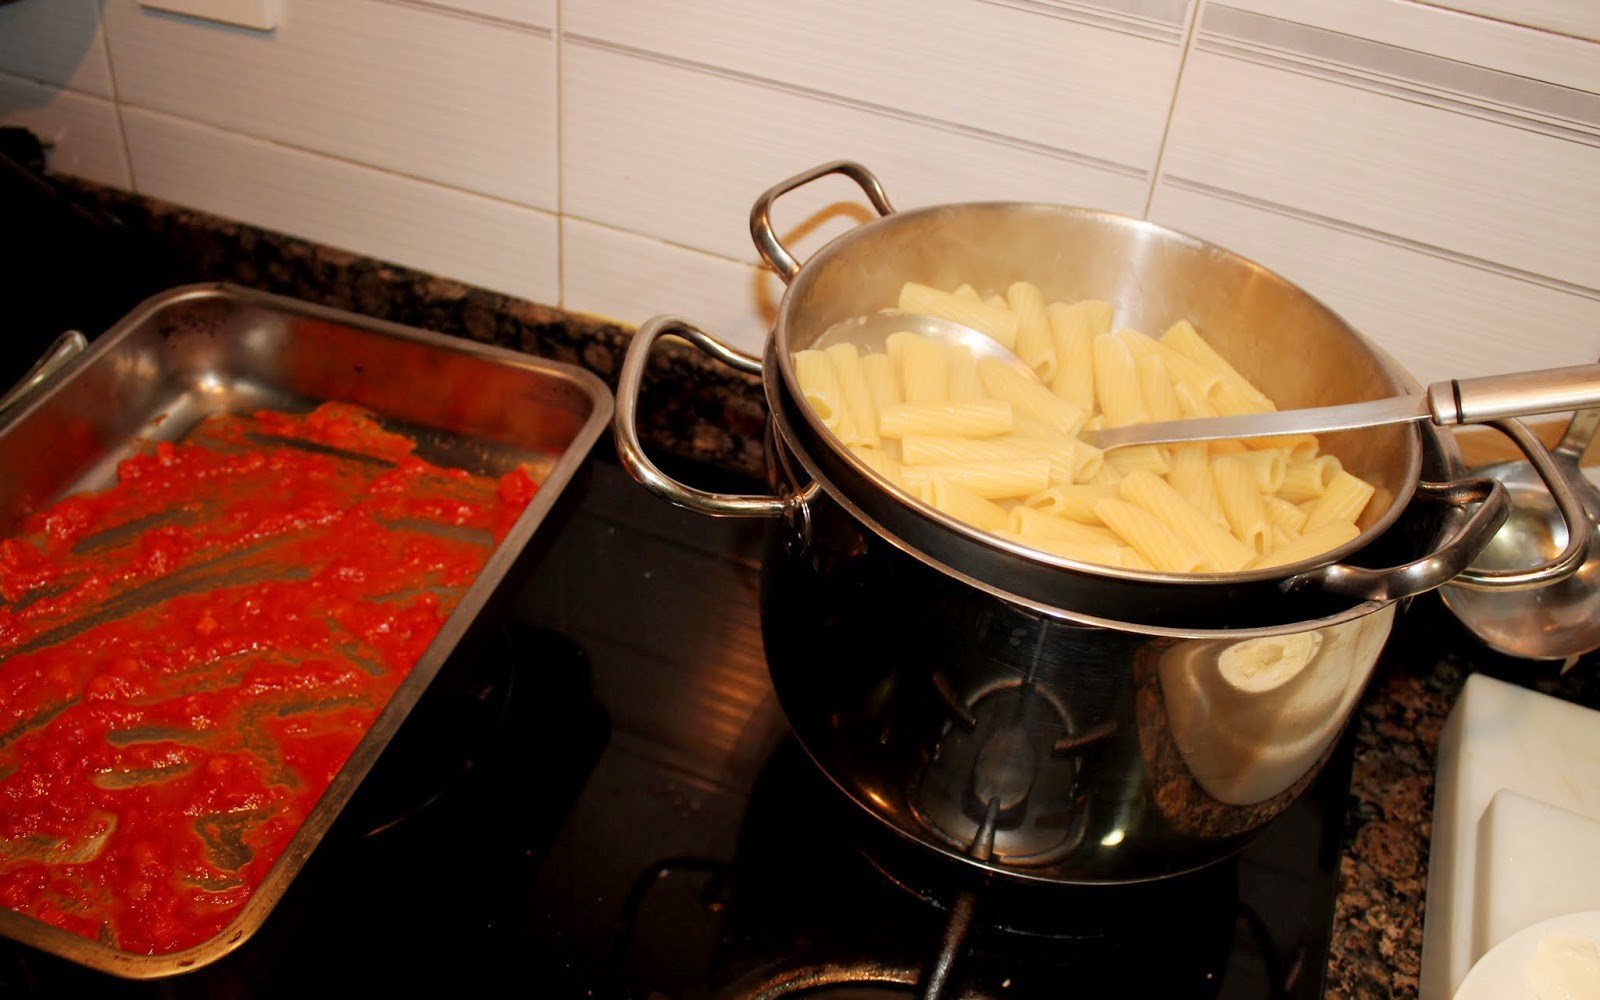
1431	571
1452	561
1580	530
631	450
766	237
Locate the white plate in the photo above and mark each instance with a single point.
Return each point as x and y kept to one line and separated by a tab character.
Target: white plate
1502	974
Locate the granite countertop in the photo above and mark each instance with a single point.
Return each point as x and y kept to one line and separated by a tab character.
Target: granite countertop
699	411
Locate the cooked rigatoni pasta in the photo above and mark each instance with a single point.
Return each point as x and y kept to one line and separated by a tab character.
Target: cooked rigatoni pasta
986	444
1304	481
1073	502
924	367
1035	344
1140	458
860	425
1002	381
963	375
1116	382
1344	500
1073	329
1031	521
882	382
1156	389
1221	551
1240	494
965	505
1312	543
990	480
1285	514
1001	324
819	386
1190	475
1150	537
975	418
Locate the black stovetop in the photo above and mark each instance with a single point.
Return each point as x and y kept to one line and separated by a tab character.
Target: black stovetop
599	798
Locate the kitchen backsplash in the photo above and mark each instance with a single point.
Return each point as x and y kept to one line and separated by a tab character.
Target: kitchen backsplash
1429	170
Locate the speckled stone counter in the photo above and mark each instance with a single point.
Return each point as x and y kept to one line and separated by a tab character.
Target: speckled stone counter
1377	932
698	411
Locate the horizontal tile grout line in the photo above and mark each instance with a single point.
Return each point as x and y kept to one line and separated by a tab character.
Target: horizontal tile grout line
319	154
882	110
1132	25
546	30
1378	235
1409	88
1388	44
1377	86
714	255
10	74
1477	15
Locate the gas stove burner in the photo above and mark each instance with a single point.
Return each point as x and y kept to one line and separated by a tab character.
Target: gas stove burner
837	981
1009	749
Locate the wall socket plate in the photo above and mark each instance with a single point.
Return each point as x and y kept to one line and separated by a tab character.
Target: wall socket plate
262	15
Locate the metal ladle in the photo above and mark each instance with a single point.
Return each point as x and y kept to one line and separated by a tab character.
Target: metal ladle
1556	622
871	333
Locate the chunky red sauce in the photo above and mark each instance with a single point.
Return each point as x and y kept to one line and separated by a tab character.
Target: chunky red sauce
188	658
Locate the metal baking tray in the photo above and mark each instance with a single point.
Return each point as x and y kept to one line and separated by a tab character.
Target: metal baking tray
203	349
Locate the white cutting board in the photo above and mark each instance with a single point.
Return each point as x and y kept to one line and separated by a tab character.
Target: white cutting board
1487	866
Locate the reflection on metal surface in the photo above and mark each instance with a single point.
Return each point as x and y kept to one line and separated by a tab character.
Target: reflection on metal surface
1252	717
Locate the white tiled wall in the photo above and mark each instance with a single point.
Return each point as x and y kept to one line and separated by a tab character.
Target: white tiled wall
1427	169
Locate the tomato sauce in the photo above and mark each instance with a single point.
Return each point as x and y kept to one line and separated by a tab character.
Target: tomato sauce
188	658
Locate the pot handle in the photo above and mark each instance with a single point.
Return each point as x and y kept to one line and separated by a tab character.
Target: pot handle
1450	564
626	425
766	237
66	347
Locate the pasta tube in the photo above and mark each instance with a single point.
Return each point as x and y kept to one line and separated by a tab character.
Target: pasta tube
1183	339
1074	502
1035	343
820	388
1312	543
1219	549
1150	537
1240	496
1285	514
1190	475
964	505
1116	382
1001	324
860	427
989	480
978	418
1001	381
1072	330
882	382
1344	500
1156	389
924	367
1304	481
964	383
1029	521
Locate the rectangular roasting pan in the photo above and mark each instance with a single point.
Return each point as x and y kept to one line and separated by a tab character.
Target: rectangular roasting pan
203	349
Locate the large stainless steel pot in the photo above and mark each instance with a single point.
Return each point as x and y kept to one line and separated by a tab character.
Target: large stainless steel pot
1034	716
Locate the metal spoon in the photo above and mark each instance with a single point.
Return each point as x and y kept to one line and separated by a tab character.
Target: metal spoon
871	333
1560	621
1454	401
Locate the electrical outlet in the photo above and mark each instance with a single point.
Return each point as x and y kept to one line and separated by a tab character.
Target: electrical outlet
261	15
